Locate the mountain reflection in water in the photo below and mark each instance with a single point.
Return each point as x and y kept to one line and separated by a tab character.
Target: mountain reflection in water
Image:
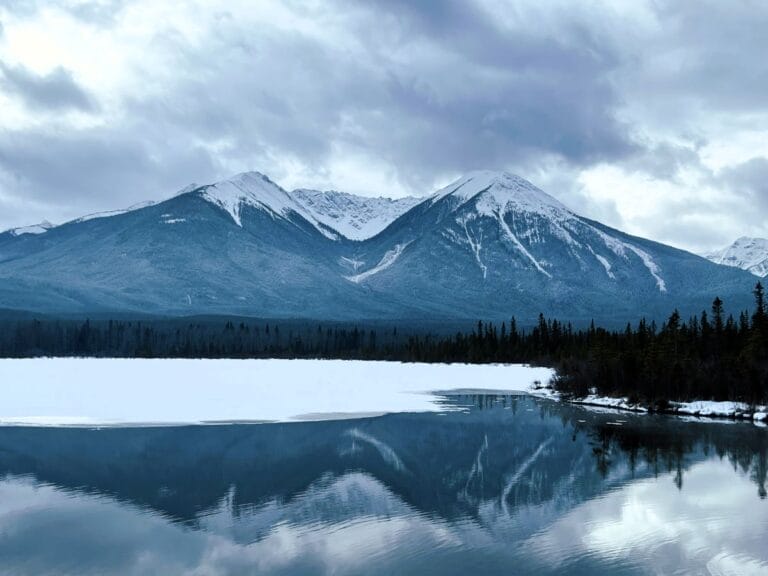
509	484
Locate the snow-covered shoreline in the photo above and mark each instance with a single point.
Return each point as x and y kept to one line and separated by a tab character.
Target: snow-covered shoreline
699	408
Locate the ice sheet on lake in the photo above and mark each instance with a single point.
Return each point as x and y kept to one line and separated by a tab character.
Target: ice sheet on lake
90	392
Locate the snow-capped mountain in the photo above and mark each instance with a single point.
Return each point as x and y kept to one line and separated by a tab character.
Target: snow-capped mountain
494	241
356	217
507	229
749	254
524	211
256	190
490	245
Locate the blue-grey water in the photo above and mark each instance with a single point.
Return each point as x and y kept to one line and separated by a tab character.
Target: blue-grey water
508	485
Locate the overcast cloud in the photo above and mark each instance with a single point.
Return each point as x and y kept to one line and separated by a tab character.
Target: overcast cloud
651	117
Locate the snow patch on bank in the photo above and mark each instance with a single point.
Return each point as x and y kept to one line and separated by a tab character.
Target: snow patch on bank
720	409
701	408
95	392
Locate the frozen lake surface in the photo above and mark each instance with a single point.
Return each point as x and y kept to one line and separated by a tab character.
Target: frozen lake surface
87	392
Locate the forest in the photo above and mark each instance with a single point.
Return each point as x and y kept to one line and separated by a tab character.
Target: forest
709	356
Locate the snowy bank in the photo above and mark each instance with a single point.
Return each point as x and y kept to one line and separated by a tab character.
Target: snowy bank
703	408
720	409
91	392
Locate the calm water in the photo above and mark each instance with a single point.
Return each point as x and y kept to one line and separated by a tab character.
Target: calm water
510	485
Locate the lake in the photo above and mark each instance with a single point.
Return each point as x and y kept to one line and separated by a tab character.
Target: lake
489	484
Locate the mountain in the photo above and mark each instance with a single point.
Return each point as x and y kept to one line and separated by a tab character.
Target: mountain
356	217
494	241
746	253
490	245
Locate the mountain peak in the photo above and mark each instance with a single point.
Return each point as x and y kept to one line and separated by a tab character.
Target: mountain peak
497	192
257	190
251	177
251	188
748	253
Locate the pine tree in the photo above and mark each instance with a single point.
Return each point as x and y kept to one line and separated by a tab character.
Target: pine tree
717	314
758	318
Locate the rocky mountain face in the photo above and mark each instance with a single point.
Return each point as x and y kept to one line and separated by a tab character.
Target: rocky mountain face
749	254
490	245
355	217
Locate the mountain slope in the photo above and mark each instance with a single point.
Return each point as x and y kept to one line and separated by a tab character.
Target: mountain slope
749	254
491	245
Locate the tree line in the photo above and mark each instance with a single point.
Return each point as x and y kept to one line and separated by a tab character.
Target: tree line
708	356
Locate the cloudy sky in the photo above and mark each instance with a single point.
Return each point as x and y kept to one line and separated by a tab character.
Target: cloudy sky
651	117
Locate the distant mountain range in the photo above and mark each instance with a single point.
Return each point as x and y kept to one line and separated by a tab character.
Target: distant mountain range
746	253
490	245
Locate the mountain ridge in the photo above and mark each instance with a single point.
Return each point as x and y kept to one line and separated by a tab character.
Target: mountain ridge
490	245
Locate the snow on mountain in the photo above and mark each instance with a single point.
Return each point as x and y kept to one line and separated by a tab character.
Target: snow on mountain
503	192
40	228
110	213
132	208
387	261
250	188
528	217
257	190
355	217
749	254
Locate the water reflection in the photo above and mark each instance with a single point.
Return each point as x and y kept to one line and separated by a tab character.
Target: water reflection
509	482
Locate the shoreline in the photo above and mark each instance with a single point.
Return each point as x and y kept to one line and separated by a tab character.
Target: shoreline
725	410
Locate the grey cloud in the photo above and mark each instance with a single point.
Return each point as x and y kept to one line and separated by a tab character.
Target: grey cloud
476	96
80	172
561	180
749	180
691	224
697	65
495	95
665	160
469	29
721	48
56	90
702	224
